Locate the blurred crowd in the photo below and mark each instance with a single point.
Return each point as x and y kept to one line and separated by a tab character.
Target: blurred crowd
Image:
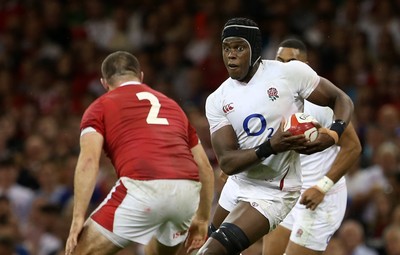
50	56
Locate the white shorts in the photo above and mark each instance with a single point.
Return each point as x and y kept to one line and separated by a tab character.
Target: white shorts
313	229
137	210
274	204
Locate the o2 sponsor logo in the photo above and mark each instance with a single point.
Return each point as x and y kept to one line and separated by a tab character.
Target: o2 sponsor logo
263	126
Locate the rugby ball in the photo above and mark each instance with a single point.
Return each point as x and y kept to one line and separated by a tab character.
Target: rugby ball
302	123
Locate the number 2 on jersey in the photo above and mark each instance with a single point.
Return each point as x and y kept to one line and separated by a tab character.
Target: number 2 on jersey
152	117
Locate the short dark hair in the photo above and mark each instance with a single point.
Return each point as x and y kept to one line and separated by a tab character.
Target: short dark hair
295	44
120	63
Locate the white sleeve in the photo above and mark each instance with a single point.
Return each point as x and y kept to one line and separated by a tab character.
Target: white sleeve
304	78
87	130
214	113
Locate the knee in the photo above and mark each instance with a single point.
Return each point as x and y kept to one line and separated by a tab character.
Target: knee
232	238
211	229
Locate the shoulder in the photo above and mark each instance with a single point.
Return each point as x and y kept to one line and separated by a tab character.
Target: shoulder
288	68
97	103
225	86
272	63
297	66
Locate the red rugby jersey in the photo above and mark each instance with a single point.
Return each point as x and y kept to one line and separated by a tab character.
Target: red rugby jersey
147	135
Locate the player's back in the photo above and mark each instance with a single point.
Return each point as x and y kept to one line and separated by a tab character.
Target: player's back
147	135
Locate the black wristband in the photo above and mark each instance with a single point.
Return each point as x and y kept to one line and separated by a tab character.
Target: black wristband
338	126
264	150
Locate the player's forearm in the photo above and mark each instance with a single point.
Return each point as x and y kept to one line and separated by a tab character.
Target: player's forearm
237	161
84	183
206	176
206	193
350	149
231	158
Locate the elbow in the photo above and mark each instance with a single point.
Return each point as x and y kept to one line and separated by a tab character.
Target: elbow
88	164
227	167
358	150
351	105
350	102
355	151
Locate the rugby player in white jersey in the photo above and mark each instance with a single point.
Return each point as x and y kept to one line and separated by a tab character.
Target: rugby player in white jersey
246	115
308	227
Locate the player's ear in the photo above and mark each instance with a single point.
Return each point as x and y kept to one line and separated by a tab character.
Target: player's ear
141	77
104	84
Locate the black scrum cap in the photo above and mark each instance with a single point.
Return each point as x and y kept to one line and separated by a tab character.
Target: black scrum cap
249	31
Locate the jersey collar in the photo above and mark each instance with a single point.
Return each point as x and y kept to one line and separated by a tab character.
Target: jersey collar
130	83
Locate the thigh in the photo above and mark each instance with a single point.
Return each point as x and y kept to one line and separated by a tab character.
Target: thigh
249	220
313	229
154	247
295	249
91	241
275	242
219	216
229	194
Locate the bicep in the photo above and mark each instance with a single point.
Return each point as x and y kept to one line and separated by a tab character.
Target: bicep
223	140
325	93
200	156
91	145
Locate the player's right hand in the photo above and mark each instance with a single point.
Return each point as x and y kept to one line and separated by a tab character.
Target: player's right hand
285	141
323	141
197	234
312	197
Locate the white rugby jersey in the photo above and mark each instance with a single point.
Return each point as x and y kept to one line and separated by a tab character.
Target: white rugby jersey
255	110
316	165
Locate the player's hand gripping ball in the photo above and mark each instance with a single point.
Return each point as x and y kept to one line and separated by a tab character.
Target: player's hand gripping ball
302	123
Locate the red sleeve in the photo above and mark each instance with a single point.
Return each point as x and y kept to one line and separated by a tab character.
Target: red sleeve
93	117
193	138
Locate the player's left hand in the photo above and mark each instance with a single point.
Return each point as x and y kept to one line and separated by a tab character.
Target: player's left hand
322	142
312	197
197	235
285	141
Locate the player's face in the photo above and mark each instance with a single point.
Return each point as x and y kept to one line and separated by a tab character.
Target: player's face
236	53
288	54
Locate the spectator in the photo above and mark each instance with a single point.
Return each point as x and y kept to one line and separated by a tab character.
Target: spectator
351	235
20	197
392	239
366	182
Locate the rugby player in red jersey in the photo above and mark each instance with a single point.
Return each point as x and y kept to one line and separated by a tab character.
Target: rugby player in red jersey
165	181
